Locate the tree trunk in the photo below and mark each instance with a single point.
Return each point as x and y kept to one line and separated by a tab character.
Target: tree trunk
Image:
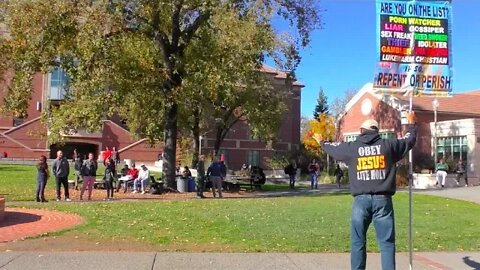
218	141
170	151
196	137
222	130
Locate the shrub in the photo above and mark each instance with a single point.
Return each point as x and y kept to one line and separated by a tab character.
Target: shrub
422	161
401	178
452	164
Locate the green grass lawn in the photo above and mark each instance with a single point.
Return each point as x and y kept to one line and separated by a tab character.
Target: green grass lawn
287	224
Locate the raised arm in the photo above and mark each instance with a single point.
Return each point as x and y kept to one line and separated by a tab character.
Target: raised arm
339	151
402	146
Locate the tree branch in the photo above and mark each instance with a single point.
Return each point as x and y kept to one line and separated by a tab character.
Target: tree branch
176	32
190	31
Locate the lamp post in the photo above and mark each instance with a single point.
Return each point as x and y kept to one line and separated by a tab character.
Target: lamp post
200	145
435	105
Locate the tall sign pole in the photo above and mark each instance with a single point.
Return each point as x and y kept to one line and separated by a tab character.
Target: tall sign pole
410	198
414	58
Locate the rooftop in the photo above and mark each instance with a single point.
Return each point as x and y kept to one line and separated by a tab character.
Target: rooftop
279	74
465	103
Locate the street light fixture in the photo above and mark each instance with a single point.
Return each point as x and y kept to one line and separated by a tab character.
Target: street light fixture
435	105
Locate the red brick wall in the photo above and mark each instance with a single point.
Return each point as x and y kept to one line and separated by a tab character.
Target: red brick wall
387	117
142	152
32	134
15	150
37	95
116	136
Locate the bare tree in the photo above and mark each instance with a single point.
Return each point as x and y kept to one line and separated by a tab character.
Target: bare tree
304	126
338	104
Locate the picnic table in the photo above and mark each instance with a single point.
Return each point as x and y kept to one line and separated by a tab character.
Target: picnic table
234	183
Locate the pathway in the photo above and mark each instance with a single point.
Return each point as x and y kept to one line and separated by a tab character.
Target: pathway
21	223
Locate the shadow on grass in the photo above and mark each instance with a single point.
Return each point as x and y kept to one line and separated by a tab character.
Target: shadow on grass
289	193
471	263
301	193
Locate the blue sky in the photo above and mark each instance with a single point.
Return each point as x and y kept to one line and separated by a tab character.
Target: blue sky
342	55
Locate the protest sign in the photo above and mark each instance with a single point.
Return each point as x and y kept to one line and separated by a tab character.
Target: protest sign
414	47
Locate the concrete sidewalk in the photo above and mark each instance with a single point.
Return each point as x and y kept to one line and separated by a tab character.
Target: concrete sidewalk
471	194
223	261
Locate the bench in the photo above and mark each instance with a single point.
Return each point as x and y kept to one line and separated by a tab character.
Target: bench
129	183
234	183
99	183
74	183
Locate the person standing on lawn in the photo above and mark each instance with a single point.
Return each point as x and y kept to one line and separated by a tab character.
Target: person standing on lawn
372	168
106	154
89	172
110	175
200	177
42	177
291	171
313	170
338	176
214	173
61	169
77	161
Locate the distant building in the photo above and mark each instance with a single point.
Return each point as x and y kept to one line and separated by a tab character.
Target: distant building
457	129
26	138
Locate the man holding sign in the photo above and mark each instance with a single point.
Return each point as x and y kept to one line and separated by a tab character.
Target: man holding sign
371	164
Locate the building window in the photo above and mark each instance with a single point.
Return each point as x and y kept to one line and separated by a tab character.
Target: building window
253	158
58	84
452	148
350	138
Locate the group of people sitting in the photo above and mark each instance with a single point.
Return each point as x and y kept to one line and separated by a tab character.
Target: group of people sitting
139	177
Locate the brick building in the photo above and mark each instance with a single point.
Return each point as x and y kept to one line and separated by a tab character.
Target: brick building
240	147
25	138
457	129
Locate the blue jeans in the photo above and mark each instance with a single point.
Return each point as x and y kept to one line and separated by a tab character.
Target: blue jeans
41	183
143	183
314	180
378	208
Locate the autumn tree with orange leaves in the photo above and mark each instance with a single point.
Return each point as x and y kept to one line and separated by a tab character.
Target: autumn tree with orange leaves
323	125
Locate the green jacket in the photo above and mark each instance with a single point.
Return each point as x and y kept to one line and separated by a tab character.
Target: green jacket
442	167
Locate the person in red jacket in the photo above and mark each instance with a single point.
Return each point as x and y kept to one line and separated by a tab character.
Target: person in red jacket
107	154
132	174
